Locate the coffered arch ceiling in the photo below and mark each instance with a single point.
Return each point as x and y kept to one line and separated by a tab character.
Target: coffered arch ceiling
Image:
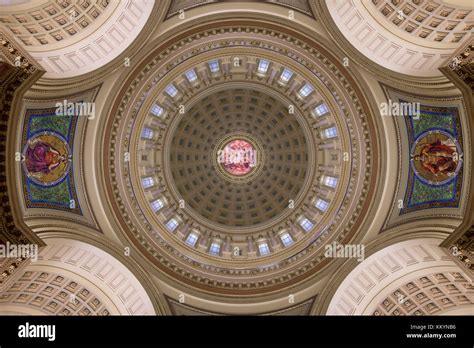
187	241
72	277
413	277
72	38
406	37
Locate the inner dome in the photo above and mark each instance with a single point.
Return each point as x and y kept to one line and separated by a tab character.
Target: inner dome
239	194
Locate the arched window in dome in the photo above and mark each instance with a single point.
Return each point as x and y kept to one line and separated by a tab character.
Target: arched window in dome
330	181
321	204
215	248
191	75
148	182
306	224
286	239
321	109
156	110
172	224
192	239
263	248
157	205
286	75
263	66
147	133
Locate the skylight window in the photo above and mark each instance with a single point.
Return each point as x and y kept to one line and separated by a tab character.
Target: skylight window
321	204
263	248
157	205
172	224
306	90
191	75
330	181
214	66
147	133
192	239
263	66
286	75
321	109
171	90
156	110
306	224
330	132
215	249
147	182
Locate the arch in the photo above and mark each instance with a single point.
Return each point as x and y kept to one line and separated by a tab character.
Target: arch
70	39
385	272
64	261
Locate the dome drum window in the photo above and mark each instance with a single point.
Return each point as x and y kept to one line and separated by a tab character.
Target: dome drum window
147	133
191	75
214	66
330	132
156	110
306	90
171	90
321	204
172	224
263	248
157	205
215	249
330	181
263	66
286	239
192	238
147	182
321	109
286	76
306	224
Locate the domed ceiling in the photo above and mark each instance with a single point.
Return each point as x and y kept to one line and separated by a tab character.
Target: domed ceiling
302	147
279	166
229	146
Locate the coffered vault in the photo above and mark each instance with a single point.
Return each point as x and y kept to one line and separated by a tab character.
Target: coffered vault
137	215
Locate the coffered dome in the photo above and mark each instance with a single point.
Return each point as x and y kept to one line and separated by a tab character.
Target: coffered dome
304	116
281	161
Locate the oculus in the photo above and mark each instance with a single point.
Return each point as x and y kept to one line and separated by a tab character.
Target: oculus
238	157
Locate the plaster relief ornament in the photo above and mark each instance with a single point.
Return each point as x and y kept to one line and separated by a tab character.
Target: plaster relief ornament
46	158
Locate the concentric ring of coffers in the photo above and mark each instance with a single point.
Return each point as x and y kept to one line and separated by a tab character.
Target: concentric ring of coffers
239	204
266	257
